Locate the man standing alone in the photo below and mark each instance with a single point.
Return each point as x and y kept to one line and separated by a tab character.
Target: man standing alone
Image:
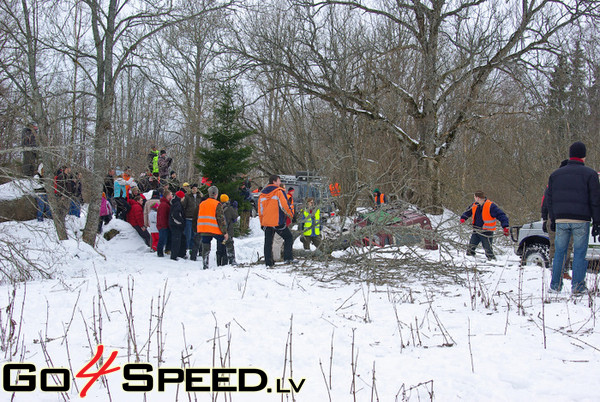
573	198
484	214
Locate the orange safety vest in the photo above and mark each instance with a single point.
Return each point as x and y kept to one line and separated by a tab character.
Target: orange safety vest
380	199
334	189
489	222
207	220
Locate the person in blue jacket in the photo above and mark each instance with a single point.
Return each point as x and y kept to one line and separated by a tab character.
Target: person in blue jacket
484	214
573	197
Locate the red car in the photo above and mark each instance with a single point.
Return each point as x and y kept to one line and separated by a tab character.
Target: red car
387	224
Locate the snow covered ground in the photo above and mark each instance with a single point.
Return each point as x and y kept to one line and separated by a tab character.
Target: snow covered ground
489	338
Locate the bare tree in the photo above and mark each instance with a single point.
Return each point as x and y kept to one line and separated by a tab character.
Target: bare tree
433	58
118	29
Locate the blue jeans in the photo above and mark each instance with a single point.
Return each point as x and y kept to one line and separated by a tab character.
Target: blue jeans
189	233
580	233
163	239
75	208
43	207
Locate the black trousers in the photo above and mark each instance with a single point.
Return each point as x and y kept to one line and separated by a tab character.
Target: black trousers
288	240
144	234
178	243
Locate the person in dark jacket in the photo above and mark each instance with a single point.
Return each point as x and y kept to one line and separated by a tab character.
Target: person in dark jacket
164	163
109	187
77	199
191	202
551	233
230	212
30	155
177	225
135	217
64	191
162	224
174	185
379	198
484	214
573	198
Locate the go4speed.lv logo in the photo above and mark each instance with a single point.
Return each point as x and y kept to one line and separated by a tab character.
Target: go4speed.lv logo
141	377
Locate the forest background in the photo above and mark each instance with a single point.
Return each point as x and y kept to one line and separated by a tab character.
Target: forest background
428	101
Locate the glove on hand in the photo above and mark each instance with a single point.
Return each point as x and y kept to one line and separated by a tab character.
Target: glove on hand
553	226
506	231
462	220
545	226
595	231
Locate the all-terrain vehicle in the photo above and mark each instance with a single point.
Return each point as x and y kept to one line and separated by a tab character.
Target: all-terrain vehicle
533	244
394	225
307	184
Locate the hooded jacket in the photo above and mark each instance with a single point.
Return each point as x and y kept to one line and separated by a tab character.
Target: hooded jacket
164	210
176	217
273	207
135	216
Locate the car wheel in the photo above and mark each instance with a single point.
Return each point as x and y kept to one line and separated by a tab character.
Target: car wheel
536	254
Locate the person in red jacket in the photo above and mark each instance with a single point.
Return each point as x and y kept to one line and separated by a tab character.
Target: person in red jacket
135	217
162	223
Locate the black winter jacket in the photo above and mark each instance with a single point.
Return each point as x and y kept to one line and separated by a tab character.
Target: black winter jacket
176	217
574	193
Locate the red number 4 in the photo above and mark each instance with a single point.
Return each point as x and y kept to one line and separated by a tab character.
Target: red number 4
102	371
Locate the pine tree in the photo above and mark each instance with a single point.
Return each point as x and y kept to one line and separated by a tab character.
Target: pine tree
578	102
594	103
227	156
557	102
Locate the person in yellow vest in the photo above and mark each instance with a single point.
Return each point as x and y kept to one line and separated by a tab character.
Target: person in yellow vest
310	218
211	224
484	214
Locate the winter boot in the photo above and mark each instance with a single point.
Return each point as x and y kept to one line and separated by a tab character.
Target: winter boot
231	254
205	253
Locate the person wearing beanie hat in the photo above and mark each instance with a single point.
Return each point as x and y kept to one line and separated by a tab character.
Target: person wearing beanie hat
177	226
230	212
186	184
290	198
174	185
191	203
379	198
484	214
211	224
573	198
577	150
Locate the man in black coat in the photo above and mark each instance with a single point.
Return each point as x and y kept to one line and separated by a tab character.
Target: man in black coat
573	198
177	225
